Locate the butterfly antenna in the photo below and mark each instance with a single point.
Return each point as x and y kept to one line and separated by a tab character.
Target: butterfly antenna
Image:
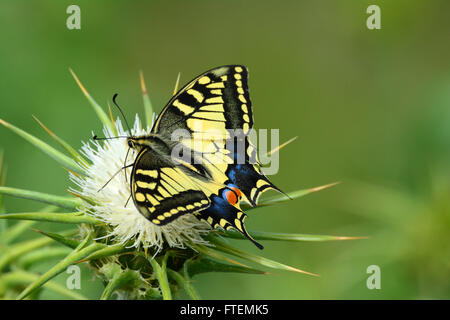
115	174
108	138
123	116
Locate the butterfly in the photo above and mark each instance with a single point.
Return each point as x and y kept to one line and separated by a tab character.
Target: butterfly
211	166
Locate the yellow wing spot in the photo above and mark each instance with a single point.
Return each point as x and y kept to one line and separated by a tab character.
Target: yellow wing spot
239	83
173	211
253	193
224	78
246	118
214	100
244	108
240	90
189	207
150	173
145	185
153	201
156	221
217	92
237	76
167	214
210	220
245	127
261	183
161	217
197	204
181	209
204	80
204	201
151	209
223	222
238	69
183	107
197	95
239	214
238	225
216	85
242	98
139	197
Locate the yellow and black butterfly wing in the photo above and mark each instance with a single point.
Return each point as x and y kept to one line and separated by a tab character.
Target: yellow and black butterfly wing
214	101
208	107
222	213
163	191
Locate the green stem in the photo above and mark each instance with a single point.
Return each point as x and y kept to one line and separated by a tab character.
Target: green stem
185	283
161	276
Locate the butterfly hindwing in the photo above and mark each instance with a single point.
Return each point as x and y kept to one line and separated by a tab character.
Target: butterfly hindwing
222	214
163	191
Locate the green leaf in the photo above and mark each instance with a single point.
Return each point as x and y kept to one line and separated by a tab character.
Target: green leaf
255	258
68	242
15	231
63	202
16	250
202	265
20	278
41	255
79	253
97	108
13	252
72	217
147	104
106	251
289	196
61	158
119	279
216	255
260	235
75	155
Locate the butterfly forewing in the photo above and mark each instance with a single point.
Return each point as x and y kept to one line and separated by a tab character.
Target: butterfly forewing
214	101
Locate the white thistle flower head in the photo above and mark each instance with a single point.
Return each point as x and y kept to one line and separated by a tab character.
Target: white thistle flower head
126	223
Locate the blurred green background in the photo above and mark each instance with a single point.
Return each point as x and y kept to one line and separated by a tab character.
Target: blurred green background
371	109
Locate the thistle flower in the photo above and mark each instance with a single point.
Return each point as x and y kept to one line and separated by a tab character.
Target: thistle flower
134	258
111	194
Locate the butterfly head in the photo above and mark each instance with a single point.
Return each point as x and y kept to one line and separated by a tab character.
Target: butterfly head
130	142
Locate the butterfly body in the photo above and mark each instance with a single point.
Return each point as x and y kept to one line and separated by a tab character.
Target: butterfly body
197	158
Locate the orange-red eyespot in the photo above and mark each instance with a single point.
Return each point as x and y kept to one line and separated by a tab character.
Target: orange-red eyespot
238	192
232	195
